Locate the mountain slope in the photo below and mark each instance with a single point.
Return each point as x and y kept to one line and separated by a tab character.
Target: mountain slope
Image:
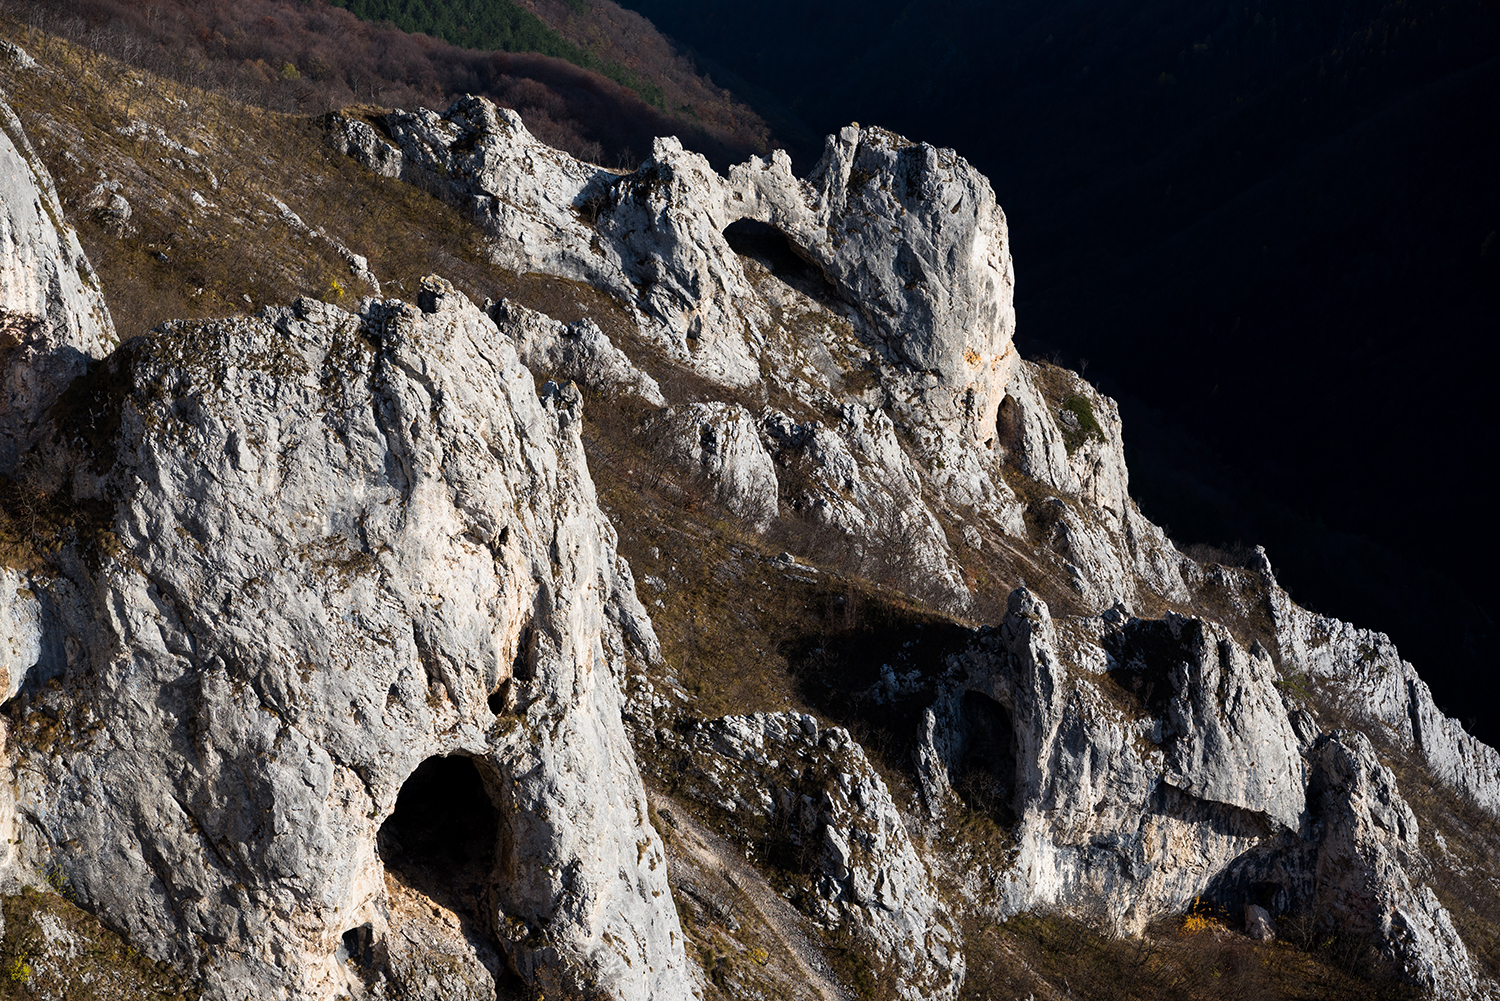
342	635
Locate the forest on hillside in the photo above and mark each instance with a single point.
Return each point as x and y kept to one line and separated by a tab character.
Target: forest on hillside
495	25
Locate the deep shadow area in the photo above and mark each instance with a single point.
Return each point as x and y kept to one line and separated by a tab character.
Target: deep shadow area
442	836
870	669
1271	229
768	245
986	776
1147	656
442	840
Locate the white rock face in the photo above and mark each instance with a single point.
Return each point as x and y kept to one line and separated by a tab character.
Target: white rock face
1118	811
354	584
1372	683
1113	552
721	442
908	234
52	316
855	477
1362	883
349	544
1355	872
20	631
819	787
909	262
579	351
912	236
1194	784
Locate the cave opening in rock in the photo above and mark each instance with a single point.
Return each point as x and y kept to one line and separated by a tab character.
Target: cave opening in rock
768	245
986	775
361	947
440	847
444	826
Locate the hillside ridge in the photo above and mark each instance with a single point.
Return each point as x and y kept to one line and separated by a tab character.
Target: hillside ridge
385	646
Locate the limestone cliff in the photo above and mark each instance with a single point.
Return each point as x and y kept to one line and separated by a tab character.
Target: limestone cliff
355	558
337	683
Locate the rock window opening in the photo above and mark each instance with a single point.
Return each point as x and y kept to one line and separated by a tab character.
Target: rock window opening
522	668
442	837
769	246
986	775
360	947
1008	425
499	697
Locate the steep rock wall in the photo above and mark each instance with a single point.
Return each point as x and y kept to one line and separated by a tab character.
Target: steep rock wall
351	547
907	234
1147	763
53	319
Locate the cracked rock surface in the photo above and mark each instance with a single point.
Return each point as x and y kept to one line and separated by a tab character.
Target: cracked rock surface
352	547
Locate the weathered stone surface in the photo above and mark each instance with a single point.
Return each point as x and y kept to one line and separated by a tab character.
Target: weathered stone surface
911	234
854	476
1363	869
1371	683
52	316
1112	551
1194	786
17	56
350	544
357	551
908	234
579	351
817	787
1258	924
1099	824
1356	873
1223	724
721	442
20	631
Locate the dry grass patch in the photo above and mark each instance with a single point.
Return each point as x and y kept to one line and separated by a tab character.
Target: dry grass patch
1054	956
52	948
203	175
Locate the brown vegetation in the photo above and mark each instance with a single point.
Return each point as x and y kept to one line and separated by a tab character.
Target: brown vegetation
1173	961
53	948
308	58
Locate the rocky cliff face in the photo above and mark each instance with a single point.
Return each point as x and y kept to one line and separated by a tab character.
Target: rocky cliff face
341	690
52	316
339	709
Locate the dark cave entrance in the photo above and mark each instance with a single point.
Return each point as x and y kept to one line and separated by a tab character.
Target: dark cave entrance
986	775
443	841
768	245
444	824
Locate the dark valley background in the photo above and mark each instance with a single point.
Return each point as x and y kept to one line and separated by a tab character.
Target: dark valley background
1267	228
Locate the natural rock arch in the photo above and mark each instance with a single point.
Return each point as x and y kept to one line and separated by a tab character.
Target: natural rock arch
770	246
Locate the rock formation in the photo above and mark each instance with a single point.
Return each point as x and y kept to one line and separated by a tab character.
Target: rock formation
907	234
355	559
818	791
52	316
324	692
